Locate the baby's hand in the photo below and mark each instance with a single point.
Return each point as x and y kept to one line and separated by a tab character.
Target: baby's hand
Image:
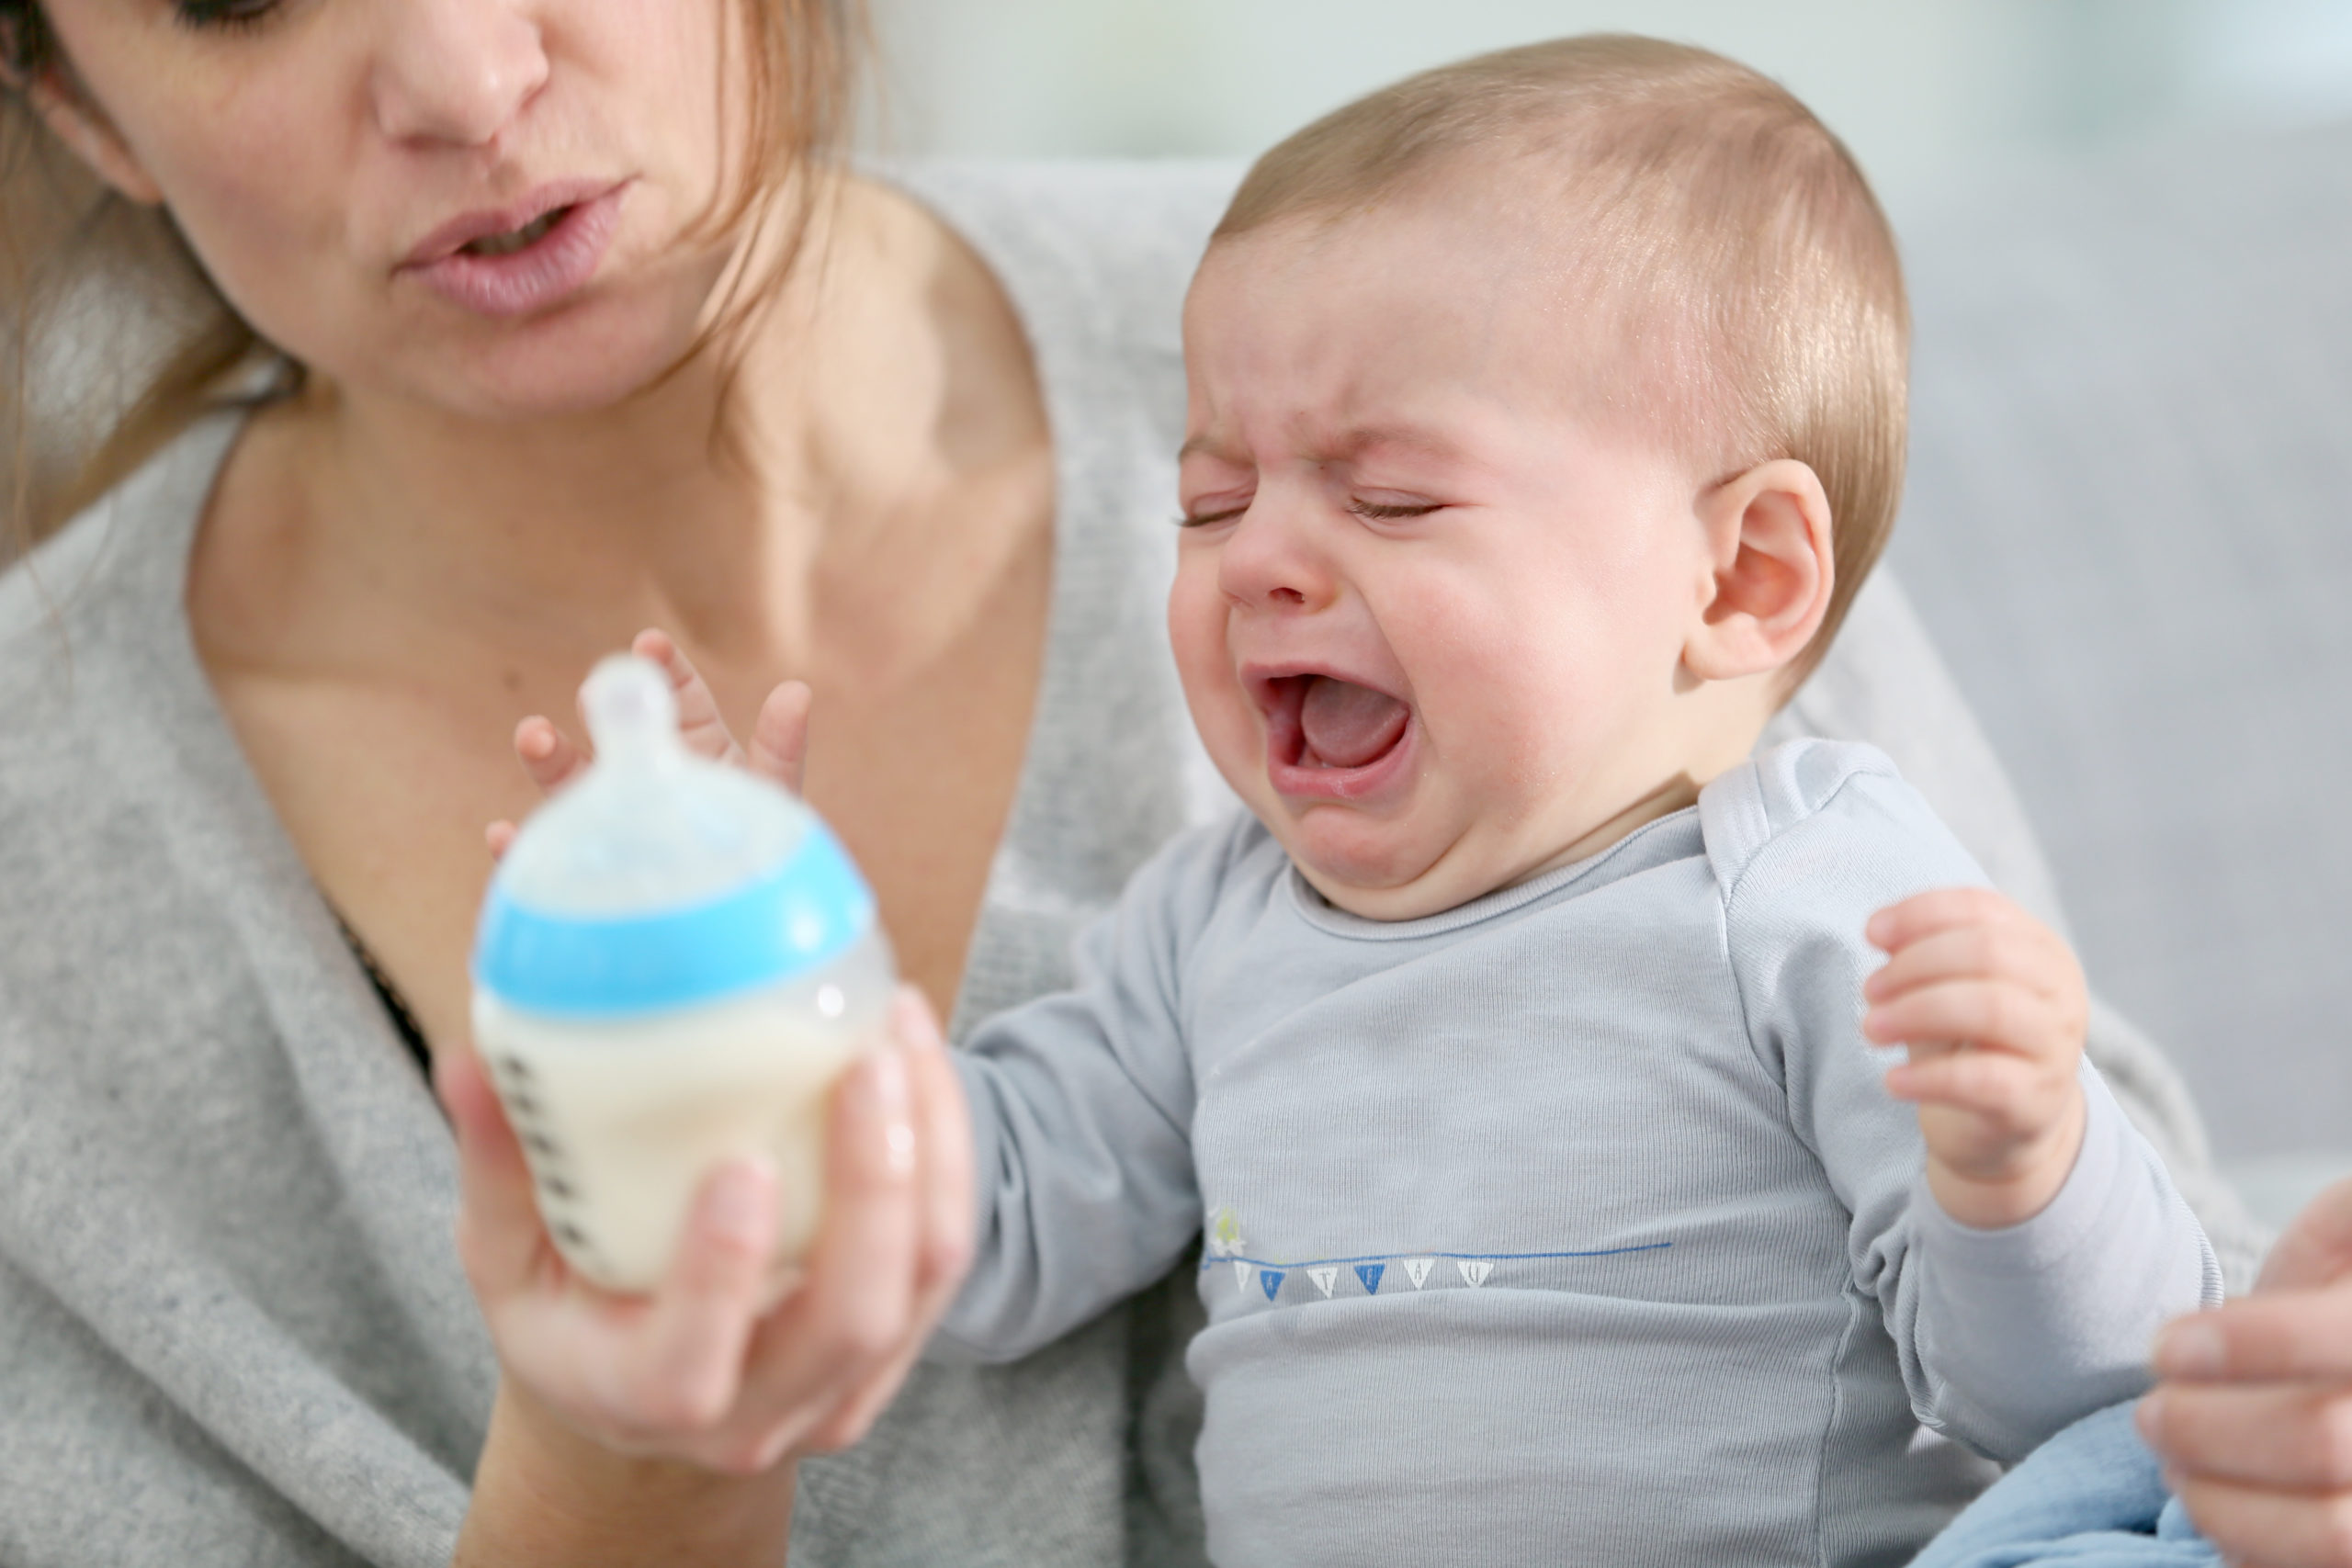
1992	1007
779	736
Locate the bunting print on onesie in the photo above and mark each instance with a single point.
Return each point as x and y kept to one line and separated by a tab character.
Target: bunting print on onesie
1330	1278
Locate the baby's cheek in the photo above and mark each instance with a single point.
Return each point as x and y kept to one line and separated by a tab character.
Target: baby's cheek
1526	725
1196	619
1196	632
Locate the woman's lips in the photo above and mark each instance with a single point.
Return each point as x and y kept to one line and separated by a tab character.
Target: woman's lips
1329	738
530	277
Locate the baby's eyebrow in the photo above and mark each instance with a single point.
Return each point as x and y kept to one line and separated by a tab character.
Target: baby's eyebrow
1356	442
1363	440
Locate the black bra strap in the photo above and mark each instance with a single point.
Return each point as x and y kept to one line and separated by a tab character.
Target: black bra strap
396	1006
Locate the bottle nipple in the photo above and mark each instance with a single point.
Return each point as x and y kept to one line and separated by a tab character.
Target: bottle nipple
632	714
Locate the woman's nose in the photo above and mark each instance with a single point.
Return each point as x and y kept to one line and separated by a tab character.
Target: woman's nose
456	71
1269	562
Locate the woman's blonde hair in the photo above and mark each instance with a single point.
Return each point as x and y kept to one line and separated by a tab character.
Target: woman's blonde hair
102	297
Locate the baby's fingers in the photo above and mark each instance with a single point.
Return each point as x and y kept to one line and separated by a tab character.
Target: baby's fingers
700	723
1899	925
2008	1089
546	753
2019	952
1992	1014
780	736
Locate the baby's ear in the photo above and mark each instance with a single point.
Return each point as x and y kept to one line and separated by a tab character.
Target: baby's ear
1768	549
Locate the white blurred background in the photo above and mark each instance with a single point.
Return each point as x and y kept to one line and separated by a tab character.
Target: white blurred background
1925	91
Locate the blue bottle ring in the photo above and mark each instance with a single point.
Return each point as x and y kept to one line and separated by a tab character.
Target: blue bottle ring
795	919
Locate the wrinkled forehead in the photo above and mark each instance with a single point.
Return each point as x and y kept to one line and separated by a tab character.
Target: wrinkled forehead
1479	283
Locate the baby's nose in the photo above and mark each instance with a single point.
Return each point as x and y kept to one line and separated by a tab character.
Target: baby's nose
1271	561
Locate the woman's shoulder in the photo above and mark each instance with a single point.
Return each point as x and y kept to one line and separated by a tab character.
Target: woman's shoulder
1112	243
95	661
113	578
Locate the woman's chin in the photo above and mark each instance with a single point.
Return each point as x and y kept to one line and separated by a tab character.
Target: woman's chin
560	376
594	353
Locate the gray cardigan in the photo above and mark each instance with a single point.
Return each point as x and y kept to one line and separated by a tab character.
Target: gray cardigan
232	1327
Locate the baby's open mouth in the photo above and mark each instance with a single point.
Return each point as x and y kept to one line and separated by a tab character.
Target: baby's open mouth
1321	721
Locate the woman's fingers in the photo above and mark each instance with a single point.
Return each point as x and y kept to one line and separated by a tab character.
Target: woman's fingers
2254	1420
700	723
854	1308
696	1371
2317	1247
500	1236
684	1378
780	736
944	1135
2274	1337
2284	1435
946	1127
2257	1528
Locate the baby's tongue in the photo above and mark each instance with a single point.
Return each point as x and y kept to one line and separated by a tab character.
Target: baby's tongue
1346	724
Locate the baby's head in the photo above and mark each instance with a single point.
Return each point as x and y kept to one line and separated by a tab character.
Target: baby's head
1546	411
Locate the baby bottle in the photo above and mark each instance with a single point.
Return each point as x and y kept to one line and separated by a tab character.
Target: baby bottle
675	961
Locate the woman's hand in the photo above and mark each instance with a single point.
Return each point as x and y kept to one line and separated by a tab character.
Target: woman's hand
1995	1010
702	1371
705	1370
2254	1414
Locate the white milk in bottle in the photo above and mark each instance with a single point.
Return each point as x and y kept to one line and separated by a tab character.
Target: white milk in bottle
675	961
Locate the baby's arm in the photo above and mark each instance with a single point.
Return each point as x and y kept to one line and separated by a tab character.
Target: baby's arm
1080	1102
1992	1006
1081	1121
2004	1333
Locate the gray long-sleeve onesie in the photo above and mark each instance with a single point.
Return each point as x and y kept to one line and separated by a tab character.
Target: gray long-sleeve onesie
1572	1224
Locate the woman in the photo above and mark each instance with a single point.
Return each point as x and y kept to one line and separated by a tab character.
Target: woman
564	353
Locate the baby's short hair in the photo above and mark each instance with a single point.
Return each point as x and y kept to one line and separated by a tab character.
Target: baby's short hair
1731	240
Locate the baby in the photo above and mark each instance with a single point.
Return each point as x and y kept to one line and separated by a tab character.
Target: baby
1510	1058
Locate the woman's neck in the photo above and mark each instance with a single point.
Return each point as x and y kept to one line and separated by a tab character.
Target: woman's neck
788	465
378	594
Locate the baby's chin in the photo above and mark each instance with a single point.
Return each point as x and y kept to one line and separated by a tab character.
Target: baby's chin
1377	876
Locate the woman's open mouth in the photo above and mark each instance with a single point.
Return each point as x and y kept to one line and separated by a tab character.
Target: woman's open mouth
1333	738
515	265
520	239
